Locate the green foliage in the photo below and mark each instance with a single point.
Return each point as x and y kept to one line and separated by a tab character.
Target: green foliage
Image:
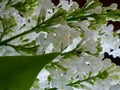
42	16
29	48
57	18
44	26
113	15
98	22
9	2
19	72
49	78
8	23
91	4
89	78
27	7
80	13
56	65
60	12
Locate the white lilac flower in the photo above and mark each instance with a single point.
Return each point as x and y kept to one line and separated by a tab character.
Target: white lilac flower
47	4
62	37
115	52
8	51
43	76
113	6
97	10
109	41
46	8
115	87
65	4
89	41
77	68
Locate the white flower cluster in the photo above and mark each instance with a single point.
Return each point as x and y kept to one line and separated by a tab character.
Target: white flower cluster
77	67
82	48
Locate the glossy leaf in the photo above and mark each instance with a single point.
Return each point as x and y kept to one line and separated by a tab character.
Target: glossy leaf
19	72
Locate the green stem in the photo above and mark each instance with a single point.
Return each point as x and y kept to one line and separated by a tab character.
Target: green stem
4	30
79	18
101	75
40	26
14	37
2	35
80	81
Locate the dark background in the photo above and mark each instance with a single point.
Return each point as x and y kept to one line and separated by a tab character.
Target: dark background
116	24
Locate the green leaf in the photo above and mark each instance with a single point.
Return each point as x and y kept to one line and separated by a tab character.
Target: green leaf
1	1
19	72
